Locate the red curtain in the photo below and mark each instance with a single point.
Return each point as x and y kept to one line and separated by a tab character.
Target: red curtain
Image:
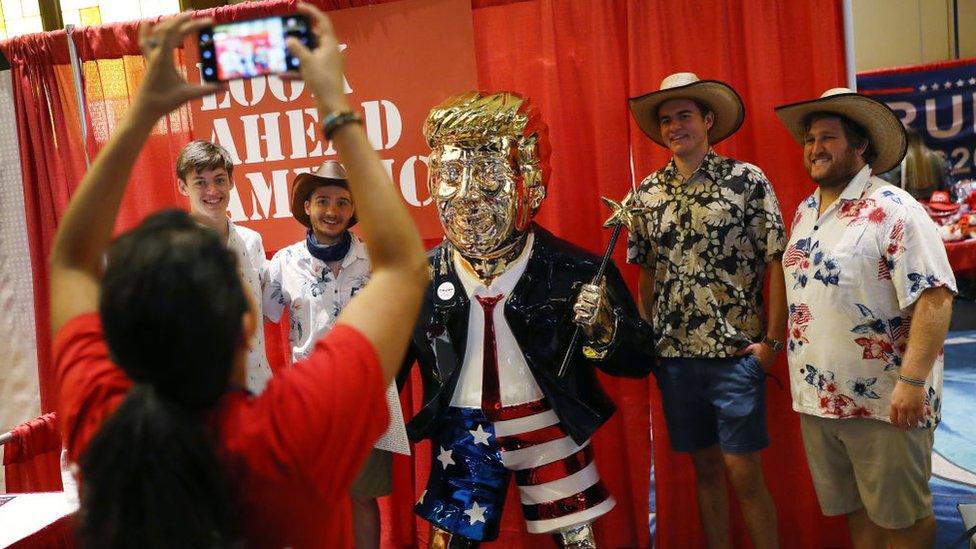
31	460
772	53
44	102
579	61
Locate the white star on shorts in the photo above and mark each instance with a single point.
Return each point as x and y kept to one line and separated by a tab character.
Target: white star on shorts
480	435
476	513
445	457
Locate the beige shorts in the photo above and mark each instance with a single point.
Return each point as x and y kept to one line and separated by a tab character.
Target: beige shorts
871	464
375	479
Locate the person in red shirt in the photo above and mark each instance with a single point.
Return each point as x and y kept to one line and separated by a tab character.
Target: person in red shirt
151	355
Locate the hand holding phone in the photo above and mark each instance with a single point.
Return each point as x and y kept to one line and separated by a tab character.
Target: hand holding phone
321	68
254	47
163	88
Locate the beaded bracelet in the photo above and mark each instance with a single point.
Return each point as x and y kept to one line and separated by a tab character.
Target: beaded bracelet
911	381
336	119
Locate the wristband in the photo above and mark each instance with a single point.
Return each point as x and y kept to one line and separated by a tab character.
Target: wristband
773	344
911	381
336	119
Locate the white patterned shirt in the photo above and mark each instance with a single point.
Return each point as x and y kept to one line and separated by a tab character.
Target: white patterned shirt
313	294
853	275
315	297
251	260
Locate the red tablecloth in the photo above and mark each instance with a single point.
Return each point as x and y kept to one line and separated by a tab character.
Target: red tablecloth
962	256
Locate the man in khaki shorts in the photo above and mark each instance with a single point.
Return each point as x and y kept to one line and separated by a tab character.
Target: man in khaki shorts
870	291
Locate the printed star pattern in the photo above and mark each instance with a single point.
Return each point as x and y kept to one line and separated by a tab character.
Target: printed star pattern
960	83
476	513
480	435
446	457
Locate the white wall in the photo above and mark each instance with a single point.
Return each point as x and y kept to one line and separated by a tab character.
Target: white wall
895	33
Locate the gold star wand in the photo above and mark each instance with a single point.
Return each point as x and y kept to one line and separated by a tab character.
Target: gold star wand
624	214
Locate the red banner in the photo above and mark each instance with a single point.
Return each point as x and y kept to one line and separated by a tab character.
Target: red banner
394	73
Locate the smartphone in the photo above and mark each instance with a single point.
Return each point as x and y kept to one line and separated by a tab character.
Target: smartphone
255	47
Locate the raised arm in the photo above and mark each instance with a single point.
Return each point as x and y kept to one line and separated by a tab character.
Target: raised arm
386	308
86	228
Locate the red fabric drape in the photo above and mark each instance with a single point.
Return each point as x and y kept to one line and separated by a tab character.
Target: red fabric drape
772	53
52	149
579	61
44	102
31	460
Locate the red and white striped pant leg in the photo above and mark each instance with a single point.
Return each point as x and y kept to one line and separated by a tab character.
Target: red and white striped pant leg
557	478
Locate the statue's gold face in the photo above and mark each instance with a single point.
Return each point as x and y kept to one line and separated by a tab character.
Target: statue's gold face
476	188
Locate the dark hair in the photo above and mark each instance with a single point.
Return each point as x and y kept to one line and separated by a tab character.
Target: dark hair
703	108
171	306
855	134
202	155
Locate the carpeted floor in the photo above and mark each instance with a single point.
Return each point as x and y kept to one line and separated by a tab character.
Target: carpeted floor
954	460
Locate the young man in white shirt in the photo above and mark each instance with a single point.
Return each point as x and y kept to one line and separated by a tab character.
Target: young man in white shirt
205	171
315	278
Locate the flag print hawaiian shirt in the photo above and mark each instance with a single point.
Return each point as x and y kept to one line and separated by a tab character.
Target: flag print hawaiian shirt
852	276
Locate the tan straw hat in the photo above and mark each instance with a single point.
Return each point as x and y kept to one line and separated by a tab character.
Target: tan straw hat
329	173
884	130
726	105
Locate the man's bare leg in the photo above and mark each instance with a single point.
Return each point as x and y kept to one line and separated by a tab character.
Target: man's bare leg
366	522
865	534
920	534
758	509
713	496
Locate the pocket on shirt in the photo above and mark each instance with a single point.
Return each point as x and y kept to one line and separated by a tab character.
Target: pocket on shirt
849	249
859	263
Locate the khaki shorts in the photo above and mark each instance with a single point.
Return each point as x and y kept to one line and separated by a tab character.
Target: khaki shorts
375	479
872	464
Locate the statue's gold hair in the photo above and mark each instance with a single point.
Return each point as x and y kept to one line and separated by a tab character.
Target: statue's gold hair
477	117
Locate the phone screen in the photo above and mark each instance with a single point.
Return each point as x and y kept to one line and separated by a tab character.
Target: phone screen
245	49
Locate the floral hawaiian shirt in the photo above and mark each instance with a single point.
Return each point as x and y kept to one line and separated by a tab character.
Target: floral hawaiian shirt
248	247
852	276
313	294
708	239
315	297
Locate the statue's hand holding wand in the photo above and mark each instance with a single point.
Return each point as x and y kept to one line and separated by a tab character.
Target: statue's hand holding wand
593	313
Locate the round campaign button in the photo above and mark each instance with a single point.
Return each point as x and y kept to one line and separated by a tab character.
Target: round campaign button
445	291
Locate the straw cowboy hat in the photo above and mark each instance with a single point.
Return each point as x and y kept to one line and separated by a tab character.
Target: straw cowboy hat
884	130
329	173
725	103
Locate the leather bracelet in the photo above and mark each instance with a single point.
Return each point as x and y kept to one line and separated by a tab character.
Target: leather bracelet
336	119
911	381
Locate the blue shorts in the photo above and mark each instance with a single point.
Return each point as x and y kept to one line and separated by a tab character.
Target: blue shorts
714	400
